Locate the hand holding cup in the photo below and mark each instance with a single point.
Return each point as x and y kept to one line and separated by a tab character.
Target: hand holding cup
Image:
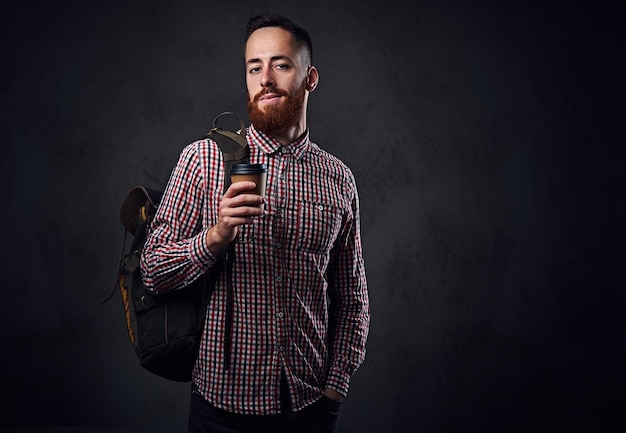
256	173
240	204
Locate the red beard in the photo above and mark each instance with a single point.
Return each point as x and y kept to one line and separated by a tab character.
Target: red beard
277	118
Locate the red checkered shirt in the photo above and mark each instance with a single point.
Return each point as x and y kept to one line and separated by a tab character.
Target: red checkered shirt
300	292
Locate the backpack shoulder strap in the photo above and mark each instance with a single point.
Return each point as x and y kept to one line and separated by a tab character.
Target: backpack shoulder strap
233	145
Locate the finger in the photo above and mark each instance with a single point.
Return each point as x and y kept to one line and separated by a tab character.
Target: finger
242	206
239	187
252	200
232	222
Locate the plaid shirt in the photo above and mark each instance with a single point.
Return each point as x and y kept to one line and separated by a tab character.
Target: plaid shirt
300	293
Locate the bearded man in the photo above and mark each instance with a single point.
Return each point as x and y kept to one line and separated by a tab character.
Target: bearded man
300	314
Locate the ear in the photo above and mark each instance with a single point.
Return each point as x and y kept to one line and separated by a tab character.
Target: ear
312	78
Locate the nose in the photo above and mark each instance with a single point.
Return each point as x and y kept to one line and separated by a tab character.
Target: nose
267	78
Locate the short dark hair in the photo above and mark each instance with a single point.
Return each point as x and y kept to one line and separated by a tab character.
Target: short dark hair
274	20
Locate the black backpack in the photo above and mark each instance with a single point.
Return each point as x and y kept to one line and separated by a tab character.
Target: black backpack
165	329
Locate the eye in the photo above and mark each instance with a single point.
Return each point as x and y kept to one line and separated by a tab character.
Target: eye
254	70
282	66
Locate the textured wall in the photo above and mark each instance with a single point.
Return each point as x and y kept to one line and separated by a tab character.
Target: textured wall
485	142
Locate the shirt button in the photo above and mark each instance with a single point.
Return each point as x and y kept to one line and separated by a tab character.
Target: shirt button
281	348
281	315
279	278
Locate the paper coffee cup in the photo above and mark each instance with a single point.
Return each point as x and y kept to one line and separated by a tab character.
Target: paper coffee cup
256	173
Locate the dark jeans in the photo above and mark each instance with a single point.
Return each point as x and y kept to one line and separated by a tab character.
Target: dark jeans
319	417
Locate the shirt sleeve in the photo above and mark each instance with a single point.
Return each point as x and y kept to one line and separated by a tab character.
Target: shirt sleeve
175	253
350	312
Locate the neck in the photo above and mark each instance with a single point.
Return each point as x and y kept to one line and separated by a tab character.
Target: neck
291	134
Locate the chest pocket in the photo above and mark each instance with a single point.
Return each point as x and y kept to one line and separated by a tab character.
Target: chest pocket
319	225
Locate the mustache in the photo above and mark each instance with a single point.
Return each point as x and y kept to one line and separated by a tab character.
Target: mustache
274	91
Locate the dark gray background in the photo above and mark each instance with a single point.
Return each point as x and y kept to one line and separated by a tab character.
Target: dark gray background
486	138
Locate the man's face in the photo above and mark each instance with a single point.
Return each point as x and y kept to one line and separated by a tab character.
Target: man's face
276	73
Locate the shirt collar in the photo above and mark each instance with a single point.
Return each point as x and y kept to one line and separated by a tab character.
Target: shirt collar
270	145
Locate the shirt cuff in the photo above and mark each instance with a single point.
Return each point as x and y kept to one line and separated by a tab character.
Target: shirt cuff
338	381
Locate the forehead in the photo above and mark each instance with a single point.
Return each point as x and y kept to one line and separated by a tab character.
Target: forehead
268	42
